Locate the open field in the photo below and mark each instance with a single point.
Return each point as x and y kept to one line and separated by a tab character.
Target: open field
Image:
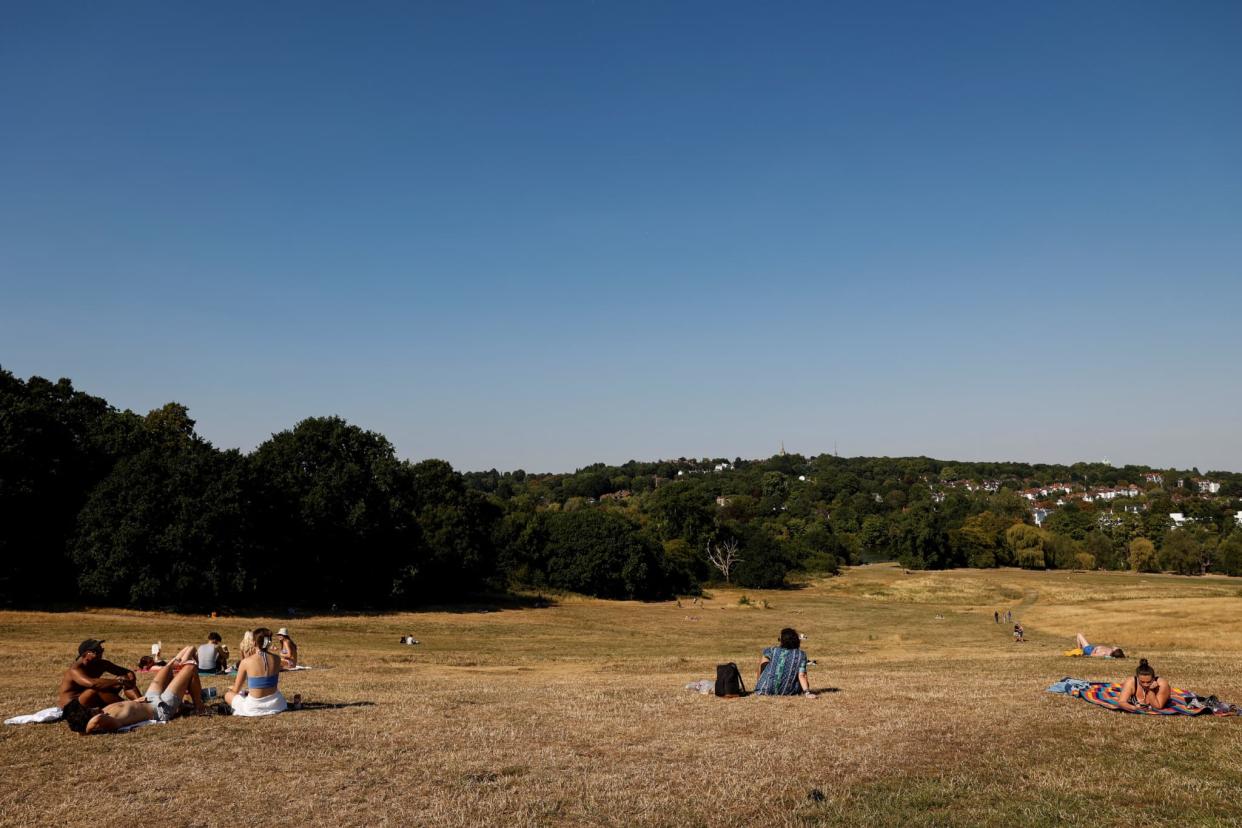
575	714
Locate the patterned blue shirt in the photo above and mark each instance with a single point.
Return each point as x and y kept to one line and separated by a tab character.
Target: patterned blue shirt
780	675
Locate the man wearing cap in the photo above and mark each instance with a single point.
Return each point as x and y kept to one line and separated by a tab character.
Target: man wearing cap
163	701
84	680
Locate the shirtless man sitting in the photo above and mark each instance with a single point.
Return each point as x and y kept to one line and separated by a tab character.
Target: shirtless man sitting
84	680
161	703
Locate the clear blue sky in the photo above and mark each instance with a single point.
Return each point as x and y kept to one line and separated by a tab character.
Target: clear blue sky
541	235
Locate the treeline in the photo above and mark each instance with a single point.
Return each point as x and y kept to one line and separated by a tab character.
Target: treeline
111	507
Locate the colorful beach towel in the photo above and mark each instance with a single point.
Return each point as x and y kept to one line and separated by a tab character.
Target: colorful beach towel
1181	702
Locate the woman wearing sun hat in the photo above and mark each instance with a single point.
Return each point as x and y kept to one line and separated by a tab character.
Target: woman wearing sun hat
288	650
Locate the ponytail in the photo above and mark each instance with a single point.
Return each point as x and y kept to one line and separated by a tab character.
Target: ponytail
262	638
1143	669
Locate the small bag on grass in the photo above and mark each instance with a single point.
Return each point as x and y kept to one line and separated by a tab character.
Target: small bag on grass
729	680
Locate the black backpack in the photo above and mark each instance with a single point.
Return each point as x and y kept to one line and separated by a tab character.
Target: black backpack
729	680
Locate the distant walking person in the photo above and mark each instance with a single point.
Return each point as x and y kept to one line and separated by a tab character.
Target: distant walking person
1019	634
996	616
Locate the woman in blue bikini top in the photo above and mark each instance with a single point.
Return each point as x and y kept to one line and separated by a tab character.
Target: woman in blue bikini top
259	670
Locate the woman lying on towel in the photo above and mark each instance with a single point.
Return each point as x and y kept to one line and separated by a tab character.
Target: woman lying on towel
1144	690
259	672
1094	650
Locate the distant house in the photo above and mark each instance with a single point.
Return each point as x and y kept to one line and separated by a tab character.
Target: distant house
1039	516
1178	518
721	467
1154	477
722	501
1207	486
1238	518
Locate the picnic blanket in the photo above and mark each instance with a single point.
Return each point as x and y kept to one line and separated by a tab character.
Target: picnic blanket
1108	696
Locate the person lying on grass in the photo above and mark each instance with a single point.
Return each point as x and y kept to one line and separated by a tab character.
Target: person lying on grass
85	681
783	669
259	670
1095	650
1144	690
161	703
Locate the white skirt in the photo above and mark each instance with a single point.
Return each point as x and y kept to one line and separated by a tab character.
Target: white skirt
254	706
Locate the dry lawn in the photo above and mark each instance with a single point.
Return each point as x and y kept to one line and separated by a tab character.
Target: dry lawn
575	714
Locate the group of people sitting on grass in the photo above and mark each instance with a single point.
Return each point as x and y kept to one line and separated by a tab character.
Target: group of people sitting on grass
98	696
782	672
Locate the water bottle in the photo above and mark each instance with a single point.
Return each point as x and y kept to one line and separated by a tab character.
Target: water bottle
210	693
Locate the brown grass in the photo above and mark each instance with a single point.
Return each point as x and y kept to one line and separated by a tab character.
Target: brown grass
576	714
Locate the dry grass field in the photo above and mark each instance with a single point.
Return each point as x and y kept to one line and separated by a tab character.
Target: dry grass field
576	714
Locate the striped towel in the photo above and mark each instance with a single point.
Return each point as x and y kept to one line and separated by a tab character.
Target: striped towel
1108	695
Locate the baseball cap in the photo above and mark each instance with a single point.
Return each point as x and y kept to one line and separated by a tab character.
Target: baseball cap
88	645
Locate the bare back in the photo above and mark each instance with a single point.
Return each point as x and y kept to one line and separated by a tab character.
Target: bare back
259	665
120	714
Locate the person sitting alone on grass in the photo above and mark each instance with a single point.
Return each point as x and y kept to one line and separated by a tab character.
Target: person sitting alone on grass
259	672
1095	650
1144	690
162	702
85	682
782	672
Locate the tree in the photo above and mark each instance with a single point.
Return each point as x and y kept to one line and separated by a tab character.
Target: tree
56	445
979	539
763	566
681	510
920	541
724	556
1180	553
600	553
873	540
1098	546
167	527
1027	545
1143	556
1229	554
330	492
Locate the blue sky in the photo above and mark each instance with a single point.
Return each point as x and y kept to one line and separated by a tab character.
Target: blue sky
543	235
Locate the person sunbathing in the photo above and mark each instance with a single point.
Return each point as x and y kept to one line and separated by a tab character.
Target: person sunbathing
1096	650
162	702
1144	690
85	682
259	670
783	669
